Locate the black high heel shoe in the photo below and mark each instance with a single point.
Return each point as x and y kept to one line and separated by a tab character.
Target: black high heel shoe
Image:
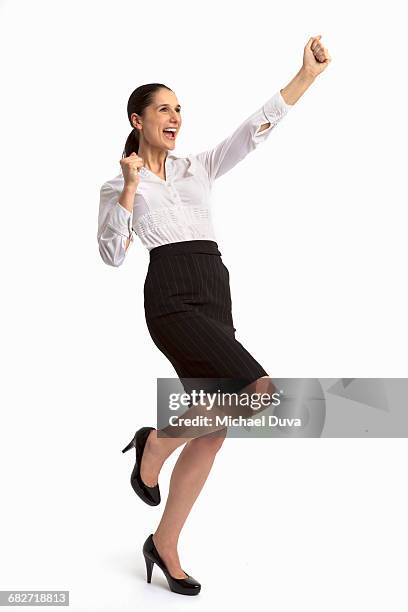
184	586
150	495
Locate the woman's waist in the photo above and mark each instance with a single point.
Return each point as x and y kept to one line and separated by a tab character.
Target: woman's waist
185	247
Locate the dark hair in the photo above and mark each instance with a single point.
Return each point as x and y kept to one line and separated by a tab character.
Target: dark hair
139	99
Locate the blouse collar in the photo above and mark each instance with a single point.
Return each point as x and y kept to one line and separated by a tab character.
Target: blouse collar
168	164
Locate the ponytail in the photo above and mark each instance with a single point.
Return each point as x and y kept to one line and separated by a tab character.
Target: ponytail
132	143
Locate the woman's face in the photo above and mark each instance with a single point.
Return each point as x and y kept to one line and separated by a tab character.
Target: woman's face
161	114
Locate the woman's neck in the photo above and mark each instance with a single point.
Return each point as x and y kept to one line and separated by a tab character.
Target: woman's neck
154	159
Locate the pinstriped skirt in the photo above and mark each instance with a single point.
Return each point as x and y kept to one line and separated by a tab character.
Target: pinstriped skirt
188	312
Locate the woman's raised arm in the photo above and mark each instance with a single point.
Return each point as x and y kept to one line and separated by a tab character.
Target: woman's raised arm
258	127
254	130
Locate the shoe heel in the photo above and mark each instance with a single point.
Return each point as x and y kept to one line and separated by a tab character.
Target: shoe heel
128	447
149	569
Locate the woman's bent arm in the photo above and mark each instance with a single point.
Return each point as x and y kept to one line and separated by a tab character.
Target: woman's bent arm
115	223
127	198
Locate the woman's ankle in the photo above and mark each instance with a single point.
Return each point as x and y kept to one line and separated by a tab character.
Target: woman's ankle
165	542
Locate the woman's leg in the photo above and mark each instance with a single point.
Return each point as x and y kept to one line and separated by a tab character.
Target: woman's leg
187	480
158	449
188	477
155	453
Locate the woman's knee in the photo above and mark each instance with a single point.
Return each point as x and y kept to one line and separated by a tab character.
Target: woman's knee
210	442
268	385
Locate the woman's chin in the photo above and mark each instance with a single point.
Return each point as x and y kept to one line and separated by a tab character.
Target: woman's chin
170	143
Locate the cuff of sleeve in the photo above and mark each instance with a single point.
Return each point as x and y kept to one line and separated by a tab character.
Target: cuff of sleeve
120	221
275	108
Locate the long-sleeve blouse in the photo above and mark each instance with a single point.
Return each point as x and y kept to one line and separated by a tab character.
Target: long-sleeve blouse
178	208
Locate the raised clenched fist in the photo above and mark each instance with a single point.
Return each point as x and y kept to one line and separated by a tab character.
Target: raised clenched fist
130	169
316	57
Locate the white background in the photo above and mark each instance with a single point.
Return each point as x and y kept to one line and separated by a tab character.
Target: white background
312	226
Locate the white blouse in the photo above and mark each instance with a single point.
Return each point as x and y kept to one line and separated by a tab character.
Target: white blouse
178	208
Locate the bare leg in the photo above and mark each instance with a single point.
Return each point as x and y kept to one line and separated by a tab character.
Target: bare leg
188	477
155	453
158	449
187	480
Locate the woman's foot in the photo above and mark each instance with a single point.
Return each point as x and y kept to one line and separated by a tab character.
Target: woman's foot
152	460
170	557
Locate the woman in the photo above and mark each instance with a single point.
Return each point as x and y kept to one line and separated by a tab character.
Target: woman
165	200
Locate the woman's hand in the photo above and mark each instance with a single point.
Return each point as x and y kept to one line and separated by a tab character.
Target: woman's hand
130	170
316	57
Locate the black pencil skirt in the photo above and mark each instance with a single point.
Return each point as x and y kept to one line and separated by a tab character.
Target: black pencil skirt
187	303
